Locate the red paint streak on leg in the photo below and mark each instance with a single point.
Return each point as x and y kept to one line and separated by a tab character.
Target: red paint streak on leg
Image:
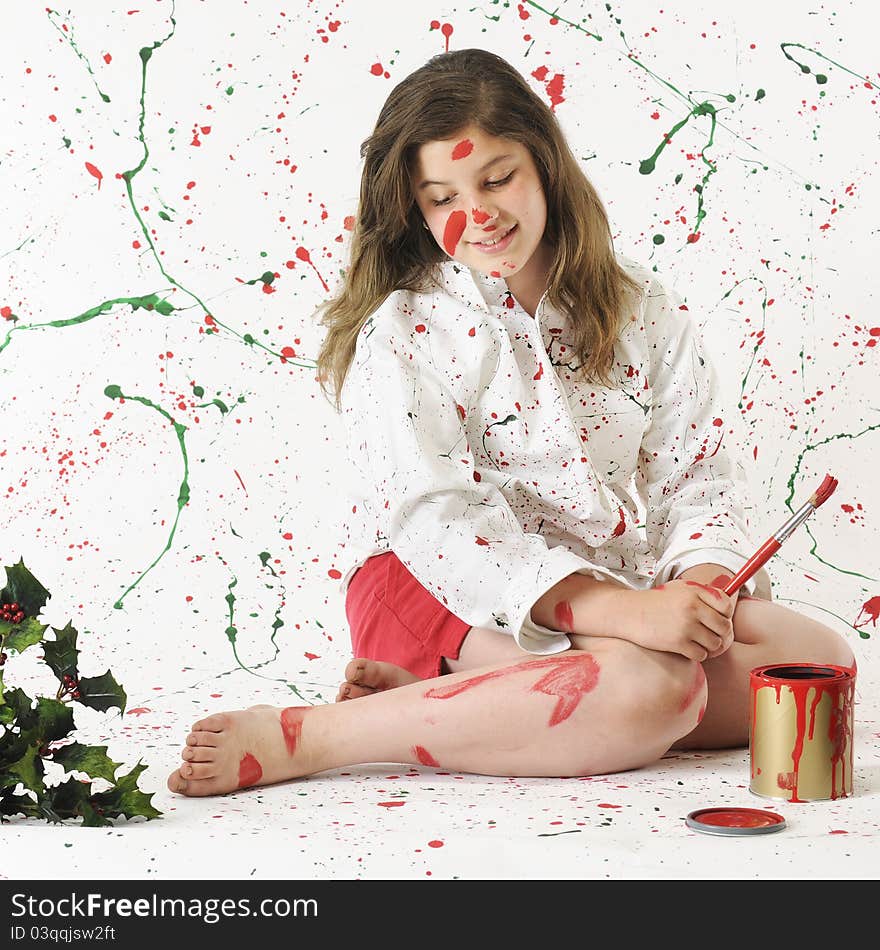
563	616
568	682
249	771
696	688
455	225
424	756
462	149
291	726
571	676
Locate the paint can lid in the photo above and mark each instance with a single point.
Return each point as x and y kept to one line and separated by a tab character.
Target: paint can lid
735	821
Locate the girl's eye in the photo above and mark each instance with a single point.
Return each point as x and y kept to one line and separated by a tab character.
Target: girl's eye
489	184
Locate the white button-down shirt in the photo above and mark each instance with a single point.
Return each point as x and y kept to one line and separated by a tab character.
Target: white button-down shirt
492	472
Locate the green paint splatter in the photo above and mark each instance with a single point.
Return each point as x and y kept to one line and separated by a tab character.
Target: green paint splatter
115	392
68	36
146	302
821	78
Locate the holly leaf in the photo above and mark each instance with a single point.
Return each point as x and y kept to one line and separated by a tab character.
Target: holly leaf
49	721
126	798
61	653
70	799
91	759
24	589
28	770
22	635
11	804
101	692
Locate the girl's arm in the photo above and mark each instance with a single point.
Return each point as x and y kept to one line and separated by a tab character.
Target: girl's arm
689	474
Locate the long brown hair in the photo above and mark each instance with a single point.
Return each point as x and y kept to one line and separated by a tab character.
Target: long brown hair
391	250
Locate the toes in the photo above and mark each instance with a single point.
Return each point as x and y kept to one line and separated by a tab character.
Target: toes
354	672
216	722
198	770
202	738
200	754
176	783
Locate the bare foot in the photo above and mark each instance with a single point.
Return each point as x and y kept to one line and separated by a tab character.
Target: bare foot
364	677
230	750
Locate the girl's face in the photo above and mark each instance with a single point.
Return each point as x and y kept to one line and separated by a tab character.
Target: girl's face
475	189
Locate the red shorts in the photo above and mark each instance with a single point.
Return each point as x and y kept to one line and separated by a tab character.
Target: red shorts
392	617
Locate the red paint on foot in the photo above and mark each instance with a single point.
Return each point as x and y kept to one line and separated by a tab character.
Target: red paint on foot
455	225
291	726
563	616
424	756
462	150
569	678
249	771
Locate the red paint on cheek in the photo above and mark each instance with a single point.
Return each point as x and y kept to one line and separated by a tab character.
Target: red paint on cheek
563	616
291	726
455	225
249	771
424	756
462	149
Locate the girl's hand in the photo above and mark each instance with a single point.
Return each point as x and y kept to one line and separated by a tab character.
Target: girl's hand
681	616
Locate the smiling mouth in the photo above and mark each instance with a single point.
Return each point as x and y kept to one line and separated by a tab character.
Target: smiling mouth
497	240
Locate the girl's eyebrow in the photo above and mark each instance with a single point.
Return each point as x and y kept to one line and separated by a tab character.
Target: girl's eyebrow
492	161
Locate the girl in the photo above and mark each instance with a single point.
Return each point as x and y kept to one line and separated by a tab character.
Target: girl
543	508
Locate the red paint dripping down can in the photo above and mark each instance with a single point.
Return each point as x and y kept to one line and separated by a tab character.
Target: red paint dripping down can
801	731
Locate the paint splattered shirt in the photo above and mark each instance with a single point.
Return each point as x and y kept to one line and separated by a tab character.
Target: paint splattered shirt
492	471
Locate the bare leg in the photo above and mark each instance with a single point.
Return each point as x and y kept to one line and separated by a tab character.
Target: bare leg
615	708
481	647
764	632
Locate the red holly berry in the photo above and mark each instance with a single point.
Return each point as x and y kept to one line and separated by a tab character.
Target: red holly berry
2	658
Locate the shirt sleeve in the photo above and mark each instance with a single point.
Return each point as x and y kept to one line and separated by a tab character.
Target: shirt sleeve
696	493
457	535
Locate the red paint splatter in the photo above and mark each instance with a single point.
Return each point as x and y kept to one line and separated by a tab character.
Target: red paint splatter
621	526
608	805
291	726
240	481
712	590
390	804
462	149
563	616
479	216
249	771
139	711
424	756
455	225
95	172
303	255
435	844
569	678
540	372
553	86
334	573
871	610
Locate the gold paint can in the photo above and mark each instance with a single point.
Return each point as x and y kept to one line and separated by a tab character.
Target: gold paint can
801	731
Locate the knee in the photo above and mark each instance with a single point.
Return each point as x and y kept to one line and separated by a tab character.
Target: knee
665	698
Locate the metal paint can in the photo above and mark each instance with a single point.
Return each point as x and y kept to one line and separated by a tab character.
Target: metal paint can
801	731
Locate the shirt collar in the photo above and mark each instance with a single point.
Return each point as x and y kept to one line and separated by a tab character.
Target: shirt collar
476	288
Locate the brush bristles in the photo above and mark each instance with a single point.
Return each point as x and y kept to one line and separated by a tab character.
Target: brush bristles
824	491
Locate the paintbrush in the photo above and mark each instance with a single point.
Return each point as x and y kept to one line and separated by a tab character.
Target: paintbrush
773	543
